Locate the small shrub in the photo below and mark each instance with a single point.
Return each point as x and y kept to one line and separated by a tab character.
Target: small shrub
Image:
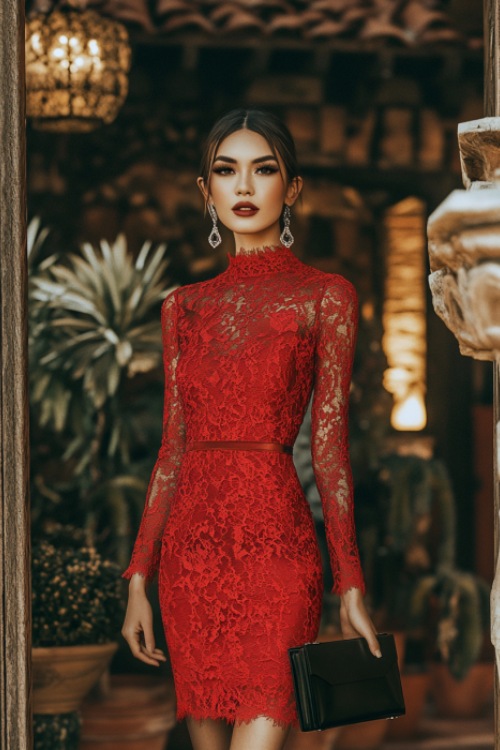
56	731
77	596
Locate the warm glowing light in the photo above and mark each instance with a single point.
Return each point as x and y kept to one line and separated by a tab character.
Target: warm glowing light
404	339
76	69
409	414
36	43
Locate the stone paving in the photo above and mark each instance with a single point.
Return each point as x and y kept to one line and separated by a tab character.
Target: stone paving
434	734
450	734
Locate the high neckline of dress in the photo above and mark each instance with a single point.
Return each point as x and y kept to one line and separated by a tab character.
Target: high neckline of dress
260	260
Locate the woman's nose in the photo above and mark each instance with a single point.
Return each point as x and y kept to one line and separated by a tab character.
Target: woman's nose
244	186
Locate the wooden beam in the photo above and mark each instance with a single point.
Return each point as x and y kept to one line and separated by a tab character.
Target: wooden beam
15	569
491	58
491	11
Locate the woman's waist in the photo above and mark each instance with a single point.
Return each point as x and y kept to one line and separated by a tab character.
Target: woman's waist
273	445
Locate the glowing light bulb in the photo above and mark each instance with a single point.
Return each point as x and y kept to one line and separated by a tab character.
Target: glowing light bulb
410	413
36	43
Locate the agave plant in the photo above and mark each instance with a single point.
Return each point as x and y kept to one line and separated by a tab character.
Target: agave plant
35	236
94	324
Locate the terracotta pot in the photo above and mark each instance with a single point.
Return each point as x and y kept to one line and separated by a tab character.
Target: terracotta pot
63	675
367	735
415	690
137	713
464	699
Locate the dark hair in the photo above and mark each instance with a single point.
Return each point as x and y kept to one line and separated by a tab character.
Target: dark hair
267	124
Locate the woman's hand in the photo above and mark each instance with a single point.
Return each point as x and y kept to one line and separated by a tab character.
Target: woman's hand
355	620
138	625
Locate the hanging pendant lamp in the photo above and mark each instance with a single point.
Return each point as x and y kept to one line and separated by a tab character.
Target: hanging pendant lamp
77	63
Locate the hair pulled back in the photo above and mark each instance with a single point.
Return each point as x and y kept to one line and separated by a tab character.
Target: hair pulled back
267	124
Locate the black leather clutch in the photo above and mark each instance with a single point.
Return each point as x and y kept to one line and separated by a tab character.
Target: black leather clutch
341	682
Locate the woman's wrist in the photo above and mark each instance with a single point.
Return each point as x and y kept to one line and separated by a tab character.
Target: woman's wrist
351	594
138	583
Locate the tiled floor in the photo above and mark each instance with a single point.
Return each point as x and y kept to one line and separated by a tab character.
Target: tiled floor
434	734
450	734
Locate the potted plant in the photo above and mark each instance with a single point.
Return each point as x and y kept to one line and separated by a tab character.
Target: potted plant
94	331
77	610
405	517
453	607
96	393
417	587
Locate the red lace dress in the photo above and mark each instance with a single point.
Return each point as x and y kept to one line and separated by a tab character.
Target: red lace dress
229	529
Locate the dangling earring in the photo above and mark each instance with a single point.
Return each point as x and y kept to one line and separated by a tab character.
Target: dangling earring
214	238
286	237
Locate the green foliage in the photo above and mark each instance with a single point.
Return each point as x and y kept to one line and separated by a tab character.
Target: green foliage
35	239
455	606
90	325
405	519
57	731
94	331
406	531
420	518
77	597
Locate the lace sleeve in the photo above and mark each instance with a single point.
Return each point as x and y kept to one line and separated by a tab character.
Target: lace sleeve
146	552
336	338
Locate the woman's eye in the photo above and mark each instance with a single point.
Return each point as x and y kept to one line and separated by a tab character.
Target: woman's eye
264	169
267	169
222	170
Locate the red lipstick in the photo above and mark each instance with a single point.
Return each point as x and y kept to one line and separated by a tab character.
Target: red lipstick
244	208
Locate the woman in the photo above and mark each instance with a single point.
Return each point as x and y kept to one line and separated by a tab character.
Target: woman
226	522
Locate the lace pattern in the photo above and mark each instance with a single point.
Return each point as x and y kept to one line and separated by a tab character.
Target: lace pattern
146	552
230	532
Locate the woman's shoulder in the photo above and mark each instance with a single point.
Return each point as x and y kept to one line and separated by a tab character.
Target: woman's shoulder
183	292
334	287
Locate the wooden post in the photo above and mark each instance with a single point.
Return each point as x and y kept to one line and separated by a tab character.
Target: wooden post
15	569
491	11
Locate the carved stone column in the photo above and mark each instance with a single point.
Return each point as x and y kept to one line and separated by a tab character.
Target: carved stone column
15	591
464	250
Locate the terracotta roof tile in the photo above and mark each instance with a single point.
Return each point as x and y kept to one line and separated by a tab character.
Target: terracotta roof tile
404	22
229	17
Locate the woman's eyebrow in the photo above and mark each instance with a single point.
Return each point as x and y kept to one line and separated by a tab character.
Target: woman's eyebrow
258	160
